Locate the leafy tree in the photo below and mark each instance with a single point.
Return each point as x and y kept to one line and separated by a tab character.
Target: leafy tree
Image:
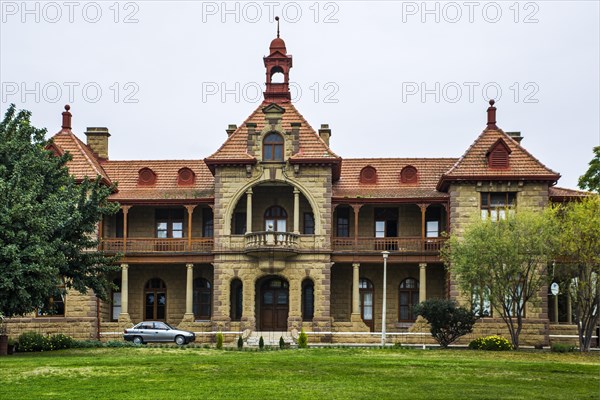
508	258
47	221
578	249
448	321
591	179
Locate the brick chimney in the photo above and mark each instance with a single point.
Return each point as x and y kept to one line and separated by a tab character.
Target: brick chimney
516	136
325	133
97	140
230	129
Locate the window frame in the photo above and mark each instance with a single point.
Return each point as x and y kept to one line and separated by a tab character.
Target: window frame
410	291
197	303
43	310
269	149
497	211
308	226
342	222
208	218
169	217
308	302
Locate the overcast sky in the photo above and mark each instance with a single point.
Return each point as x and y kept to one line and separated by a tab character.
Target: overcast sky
393	79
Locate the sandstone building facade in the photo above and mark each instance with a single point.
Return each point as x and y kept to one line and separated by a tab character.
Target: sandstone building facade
275	232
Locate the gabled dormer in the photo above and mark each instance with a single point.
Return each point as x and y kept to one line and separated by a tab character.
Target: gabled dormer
498	155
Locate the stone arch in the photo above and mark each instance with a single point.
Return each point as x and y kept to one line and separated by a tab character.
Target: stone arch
228	215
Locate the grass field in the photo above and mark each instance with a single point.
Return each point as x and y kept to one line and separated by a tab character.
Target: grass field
160	373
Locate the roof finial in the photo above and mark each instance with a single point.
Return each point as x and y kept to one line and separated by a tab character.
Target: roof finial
491	116
66	121
277	19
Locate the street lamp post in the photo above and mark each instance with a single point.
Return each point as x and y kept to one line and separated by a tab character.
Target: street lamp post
385	255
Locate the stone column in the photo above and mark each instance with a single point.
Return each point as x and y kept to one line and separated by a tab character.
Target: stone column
355	289
124	316
189	293
125	212
249	211
296	211
422	282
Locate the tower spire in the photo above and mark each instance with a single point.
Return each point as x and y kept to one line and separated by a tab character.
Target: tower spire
278	64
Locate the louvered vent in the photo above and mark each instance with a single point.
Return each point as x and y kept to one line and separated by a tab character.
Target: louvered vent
498	158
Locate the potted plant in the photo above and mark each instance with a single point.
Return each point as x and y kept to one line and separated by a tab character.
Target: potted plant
12	346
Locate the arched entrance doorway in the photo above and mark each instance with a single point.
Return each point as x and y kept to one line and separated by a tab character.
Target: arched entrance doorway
273	303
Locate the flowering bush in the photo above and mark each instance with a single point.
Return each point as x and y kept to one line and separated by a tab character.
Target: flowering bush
60	341
33	341
492	343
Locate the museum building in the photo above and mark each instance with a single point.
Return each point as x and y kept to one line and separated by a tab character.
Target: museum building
276	232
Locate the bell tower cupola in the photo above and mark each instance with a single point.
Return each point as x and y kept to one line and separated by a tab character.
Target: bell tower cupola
278	64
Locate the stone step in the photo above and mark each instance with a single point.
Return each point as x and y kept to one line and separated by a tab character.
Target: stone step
269	338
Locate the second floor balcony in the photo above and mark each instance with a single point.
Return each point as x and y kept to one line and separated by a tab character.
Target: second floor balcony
156	245
399	245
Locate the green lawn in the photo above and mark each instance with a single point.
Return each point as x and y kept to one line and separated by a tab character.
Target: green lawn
158	373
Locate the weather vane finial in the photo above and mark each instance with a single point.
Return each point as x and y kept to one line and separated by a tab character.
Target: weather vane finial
277	19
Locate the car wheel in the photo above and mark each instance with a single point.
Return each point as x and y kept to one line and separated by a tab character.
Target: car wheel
180	340
138	340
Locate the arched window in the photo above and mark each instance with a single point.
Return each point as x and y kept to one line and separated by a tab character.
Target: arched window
116	300
273	147
277	75
366	299
408	297
308	300
155	306
236	300
276	219
202	299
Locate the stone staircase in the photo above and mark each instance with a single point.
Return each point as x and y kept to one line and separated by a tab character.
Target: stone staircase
271	339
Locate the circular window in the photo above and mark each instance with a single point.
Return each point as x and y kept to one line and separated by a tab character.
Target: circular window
409	175
186	176
146	177
368	175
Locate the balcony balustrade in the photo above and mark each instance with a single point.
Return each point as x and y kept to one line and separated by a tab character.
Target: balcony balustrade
409	245
154	245
284	243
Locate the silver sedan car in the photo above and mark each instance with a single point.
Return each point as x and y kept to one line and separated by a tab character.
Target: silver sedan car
156	331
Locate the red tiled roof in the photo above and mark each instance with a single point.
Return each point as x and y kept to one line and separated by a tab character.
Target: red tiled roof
311	145
125	173
473	164
83	161
388	183
560	194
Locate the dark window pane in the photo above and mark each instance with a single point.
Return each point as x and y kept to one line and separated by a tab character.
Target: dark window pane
309	224
268	298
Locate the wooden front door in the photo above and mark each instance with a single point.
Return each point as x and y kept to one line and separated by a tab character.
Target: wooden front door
274	305
367	300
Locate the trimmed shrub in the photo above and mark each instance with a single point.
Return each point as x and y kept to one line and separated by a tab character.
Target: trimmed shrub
220	340
562	348
281	342
60	341
261	343
491	343
87	344
33	341
448	321
120	343
240	342
303	339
